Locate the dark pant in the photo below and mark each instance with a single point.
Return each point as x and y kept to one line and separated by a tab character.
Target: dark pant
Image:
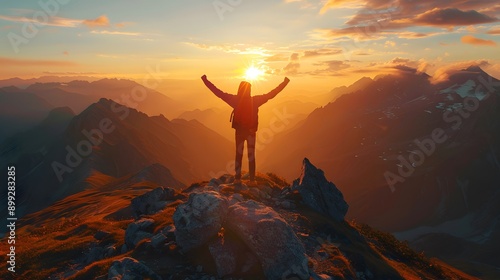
243	135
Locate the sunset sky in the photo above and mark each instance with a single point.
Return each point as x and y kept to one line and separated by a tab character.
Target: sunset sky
308	40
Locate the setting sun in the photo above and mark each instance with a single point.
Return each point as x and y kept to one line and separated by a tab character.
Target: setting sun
253	73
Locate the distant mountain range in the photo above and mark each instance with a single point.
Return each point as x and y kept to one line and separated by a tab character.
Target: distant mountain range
63	154
410	156
24	107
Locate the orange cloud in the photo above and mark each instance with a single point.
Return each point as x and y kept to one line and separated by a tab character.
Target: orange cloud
494	31
101	21
12	62
469	39
322	52
335	3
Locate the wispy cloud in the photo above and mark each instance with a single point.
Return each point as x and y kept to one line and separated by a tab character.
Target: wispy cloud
107	32
52	21
469	39
228	48
321	52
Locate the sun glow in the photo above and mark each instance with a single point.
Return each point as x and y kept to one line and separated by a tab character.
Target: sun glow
253	73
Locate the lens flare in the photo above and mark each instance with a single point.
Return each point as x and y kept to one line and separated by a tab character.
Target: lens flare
253	73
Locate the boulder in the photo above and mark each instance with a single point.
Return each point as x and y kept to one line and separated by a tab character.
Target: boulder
231	255
137	231
129	268
152	201
270	238
320	194
199	219
225	254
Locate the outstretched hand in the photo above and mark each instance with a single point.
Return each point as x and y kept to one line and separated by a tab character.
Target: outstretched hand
204	77
286	80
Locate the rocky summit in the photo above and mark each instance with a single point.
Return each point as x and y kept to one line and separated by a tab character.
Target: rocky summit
218	229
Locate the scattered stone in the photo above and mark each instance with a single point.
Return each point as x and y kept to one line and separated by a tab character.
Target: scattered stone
129	268
158	241
137	231
235	198
152	201
199	219
109	251
320	194
270	238
226	179
215	182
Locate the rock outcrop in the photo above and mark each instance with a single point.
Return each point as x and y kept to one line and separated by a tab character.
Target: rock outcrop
129	268
269	237
138	231
250	230
152	201
320	194
199	219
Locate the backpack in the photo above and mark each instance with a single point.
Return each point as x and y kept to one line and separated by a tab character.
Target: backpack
243	115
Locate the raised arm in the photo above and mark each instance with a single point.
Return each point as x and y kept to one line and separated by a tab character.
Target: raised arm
228	98
261	99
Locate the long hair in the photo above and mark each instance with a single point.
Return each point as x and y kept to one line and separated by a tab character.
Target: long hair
244	89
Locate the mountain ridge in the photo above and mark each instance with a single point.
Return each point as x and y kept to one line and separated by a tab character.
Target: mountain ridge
96	236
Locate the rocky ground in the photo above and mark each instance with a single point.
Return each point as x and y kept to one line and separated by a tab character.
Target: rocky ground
267	229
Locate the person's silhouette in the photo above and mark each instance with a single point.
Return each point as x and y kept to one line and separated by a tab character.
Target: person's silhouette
245	119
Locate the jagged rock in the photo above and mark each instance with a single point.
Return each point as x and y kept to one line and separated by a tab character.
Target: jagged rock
215	182
129	268
320	194
169	232
235	198
270	238
226	179
152	201
137	231
199	219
